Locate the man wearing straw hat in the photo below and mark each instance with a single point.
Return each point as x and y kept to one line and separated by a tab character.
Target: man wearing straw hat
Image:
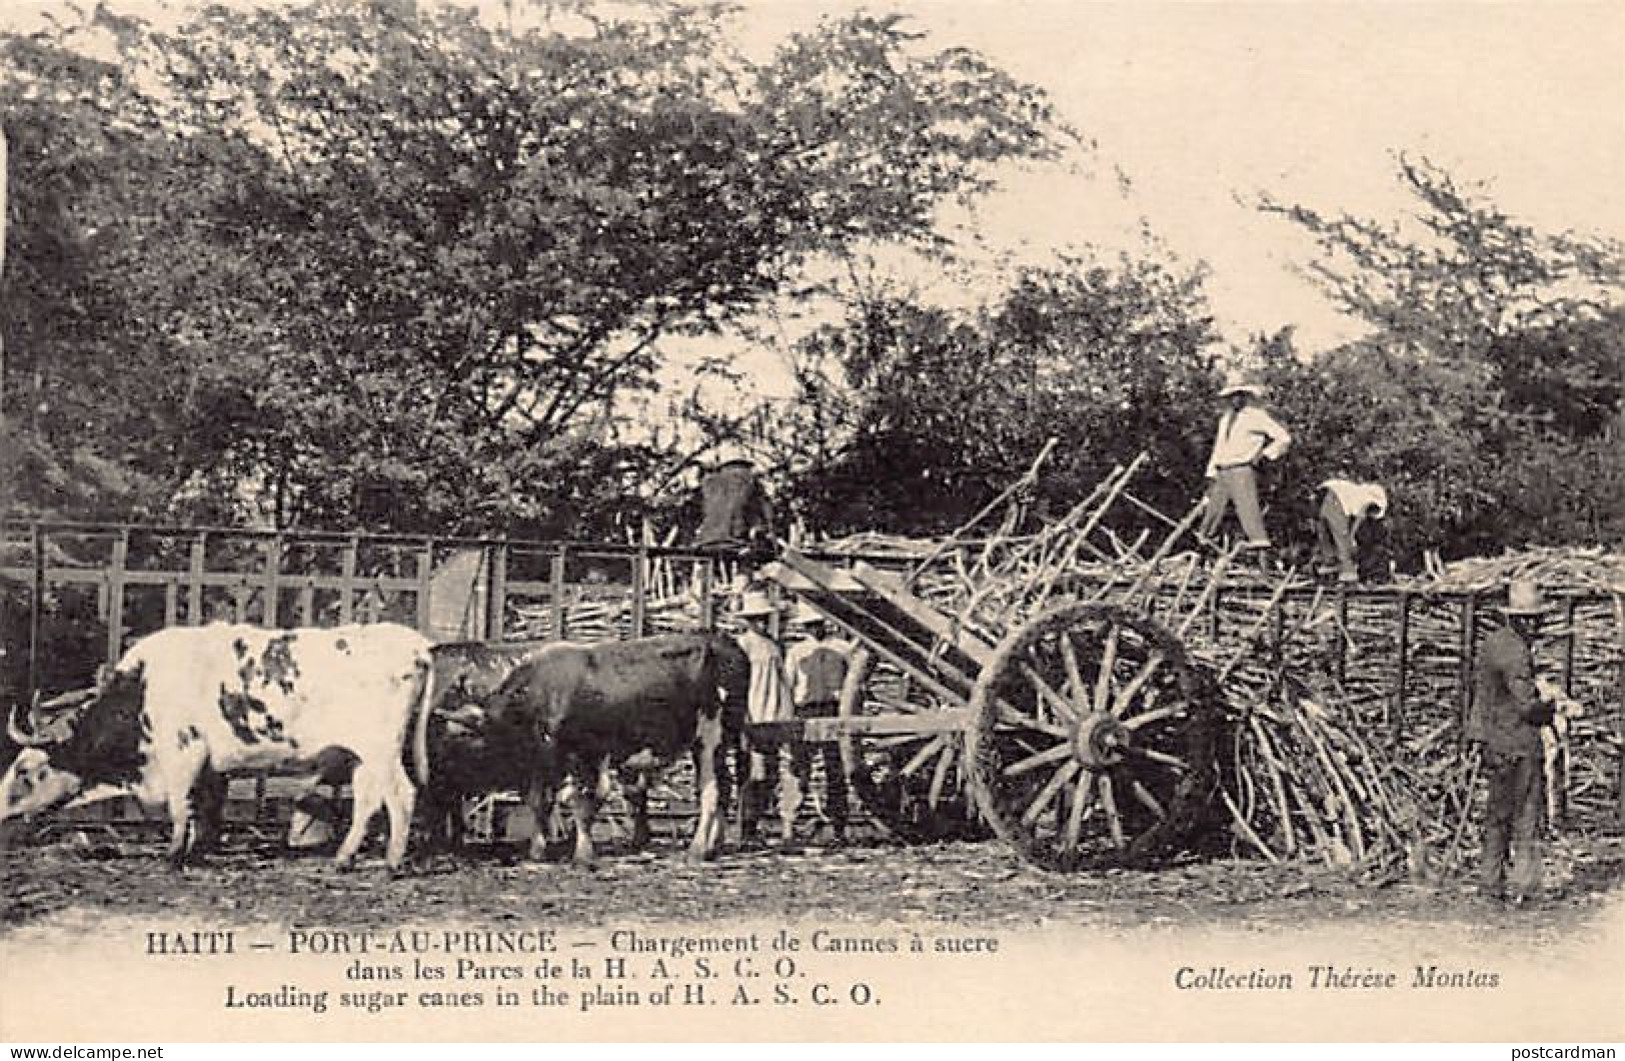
1247	436
817	667
1507	715
768	701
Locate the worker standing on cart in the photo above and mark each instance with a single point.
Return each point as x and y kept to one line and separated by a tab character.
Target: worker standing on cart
1247	437
768	701
1344	508
817	667
735	511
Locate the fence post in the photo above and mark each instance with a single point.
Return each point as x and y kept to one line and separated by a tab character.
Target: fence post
1341	660
115	597
273	565
36	609
496	596
640	587
1569	647
1464	672
1396	721
425	584
560	615
194	581
708	612
352	548
171	600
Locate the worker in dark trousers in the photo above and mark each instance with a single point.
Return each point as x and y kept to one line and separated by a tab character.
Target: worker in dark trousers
816	667
735	511
1507	716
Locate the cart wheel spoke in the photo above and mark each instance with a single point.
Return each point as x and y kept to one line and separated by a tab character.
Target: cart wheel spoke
1083	805
1047	794
921	757
1075	685
1155	756
1049	696
1108	660
1033	762
1150	717
1010	717
1126	696
939	776
1147	800
1108	803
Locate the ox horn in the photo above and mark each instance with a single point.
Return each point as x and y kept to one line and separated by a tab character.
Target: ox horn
19	736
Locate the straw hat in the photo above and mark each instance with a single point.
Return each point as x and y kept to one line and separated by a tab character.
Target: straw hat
755	602
1524	598
806	615
1237	383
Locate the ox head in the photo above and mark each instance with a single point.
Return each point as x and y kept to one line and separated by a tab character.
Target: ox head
34	783
67	746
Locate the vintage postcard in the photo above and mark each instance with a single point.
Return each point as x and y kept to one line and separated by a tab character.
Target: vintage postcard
943	520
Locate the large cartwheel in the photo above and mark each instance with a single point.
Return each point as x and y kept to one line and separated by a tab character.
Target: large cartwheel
1083	738
1094	739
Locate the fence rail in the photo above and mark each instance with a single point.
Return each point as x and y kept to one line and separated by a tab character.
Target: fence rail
1402	658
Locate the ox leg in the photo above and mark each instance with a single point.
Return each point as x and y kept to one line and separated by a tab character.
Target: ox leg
399	794
708	832
180	780
540	799
635	787
209	805
365	792
585	805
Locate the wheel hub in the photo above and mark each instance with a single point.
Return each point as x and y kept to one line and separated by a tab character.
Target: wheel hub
1100	741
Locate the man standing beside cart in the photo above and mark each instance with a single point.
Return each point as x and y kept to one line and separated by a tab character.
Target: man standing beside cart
1508	713
768	701
817	668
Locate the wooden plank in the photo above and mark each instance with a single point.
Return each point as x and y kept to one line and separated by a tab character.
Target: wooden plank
425	586
640	590
496	595
827	730
347	566
194	580
561	614
1396	720
272	589
708	608
307	603
36	609
890	589
171	601
1464	668
115	598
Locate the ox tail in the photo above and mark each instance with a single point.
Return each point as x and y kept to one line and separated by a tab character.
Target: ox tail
420	733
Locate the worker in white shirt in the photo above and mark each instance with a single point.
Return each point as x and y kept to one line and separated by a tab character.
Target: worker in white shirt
768	700
1345	505
1247	435
817	668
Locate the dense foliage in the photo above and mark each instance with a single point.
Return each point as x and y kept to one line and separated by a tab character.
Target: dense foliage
345	264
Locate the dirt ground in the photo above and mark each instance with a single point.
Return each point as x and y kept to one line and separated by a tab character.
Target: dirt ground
981	883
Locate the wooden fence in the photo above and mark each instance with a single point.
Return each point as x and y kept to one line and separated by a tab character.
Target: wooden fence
1403	659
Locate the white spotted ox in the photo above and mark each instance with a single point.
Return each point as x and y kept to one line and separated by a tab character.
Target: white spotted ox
187	705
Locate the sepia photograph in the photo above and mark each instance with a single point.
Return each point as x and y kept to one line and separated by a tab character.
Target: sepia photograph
532	521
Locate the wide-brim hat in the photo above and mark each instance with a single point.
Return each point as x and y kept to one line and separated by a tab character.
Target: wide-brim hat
755	602
1237	384
1524	598
806	615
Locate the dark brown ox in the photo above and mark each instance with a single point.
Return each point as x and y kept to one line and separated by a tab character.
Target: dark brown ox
632	706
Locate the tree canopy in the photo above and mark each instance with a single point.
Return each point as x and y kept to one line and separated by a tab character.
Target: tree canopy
336	262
